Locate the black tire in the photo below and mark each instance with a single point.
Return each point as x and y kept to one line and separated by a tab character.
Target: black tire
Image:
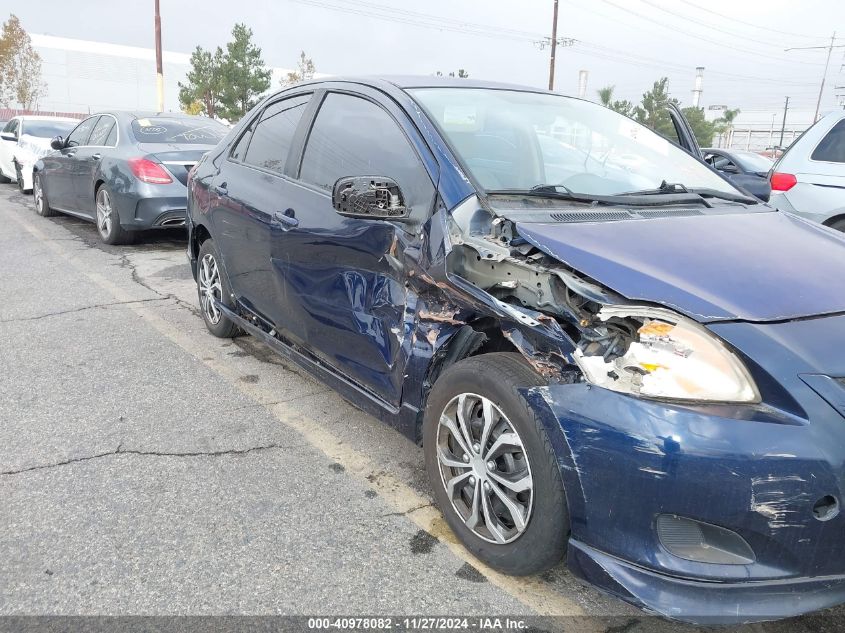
107	219
839	225
223	327
42	205
499	377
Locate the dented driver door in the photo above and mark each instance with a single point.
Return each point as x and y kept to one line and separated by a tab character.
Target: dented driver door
340	281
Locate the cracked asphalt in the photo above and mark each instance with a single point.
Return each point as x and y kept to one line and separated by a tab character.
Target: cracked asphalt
147	468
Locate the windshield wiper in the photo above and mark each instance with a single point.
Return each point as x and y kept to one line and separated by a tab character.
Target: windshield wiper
644	199
667	188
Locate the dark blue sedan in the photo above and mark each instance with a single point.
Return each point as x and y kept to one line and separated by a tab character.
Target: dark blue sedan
124	171
609	354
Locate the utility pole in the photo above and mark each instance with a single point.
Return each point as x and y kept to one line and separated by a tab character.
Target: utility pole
783	125
829	49
159	71
554	49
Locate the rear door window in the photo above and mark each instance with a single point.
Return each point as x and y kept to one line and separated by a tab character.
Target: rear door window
355	137
831	149
271	141
101	131
80	135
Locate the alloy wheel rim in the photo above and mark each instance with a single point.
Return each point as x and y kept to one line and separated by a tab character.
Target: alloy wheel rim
484	468
39	196
104	212
210	289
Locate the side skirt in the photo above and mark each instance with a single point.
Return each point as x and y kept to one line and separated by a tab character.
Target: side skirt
403	418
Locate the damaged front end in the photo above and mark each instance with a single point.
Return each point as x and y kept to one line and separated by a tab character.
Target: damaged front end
703	476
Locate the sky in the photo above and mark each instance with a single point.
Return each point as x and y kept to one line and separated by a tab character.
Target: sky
625	43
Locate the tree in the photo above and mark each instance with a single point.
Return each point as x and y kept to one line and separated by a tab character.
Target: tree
204	84
725	123
622	106
606	95
305	70
702	129
653	112
244	77
20	67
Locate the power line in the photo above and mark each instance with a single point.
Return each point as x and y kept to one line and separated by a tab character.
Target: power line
720	29
756	26
674	29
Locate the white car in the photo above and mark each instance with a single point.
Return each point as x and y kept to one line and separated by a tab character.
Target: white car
24	140
809	179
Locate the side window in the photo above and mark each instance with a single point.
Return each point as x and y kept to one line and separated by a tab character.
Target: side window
273	135
101	131
80	134
11	125
111	139
239	151
355	137
831	149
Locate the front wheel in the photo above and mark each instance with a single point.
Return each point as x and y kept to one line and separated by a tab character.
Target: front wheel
491	465
42	206
213	289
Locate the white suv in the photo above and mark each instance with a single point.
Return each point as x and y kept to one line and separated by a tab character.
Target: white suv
809	179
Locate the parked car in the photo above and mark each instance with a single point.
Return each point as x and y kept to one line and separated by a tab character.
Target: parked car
635	365
23	141
747	170
125	171
809	179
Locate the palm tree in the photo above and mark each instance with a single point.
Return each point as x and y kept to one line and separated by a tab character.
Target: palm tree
725	125
606	95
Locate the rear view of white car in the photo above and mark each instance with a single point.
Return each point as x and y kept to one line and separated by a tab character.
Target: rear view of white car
23	141
809	179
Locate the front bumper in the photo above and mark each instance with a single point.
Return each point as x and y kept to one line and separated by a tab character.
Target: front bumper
705	603
755	470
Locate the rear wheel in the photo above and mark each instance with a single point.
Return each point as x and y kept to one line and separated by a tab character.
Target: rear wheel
213	289
108	220
42	206
491	465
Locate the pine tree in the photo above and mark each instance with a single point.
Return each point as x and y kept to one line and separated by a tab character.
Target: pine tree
204	82
244	76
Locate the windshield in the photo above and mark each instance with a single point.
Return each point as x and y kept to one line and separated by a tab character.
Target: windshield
180	131
509	139
48	129
750	161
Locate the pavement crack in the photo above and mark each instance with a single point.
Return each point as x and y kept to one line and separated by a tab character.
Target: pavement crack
129	451
407	512
82	309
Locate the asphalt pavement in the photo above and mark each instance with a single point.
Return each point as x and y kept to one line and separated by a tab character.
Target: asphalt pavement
148	468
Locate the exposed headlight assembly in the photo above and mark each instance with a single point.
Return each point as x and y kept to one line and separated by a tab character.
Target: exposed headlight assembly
669	357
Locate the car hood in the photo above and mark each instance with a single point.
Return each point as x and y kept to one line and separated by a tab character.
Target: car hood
767	266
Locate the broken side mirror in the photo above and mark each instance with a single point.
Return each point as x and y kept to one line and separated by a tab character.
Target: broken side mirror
57	143
374	197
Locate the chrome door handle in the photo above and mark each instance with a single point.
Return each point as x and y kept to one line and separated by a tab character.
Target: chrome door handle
96	156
